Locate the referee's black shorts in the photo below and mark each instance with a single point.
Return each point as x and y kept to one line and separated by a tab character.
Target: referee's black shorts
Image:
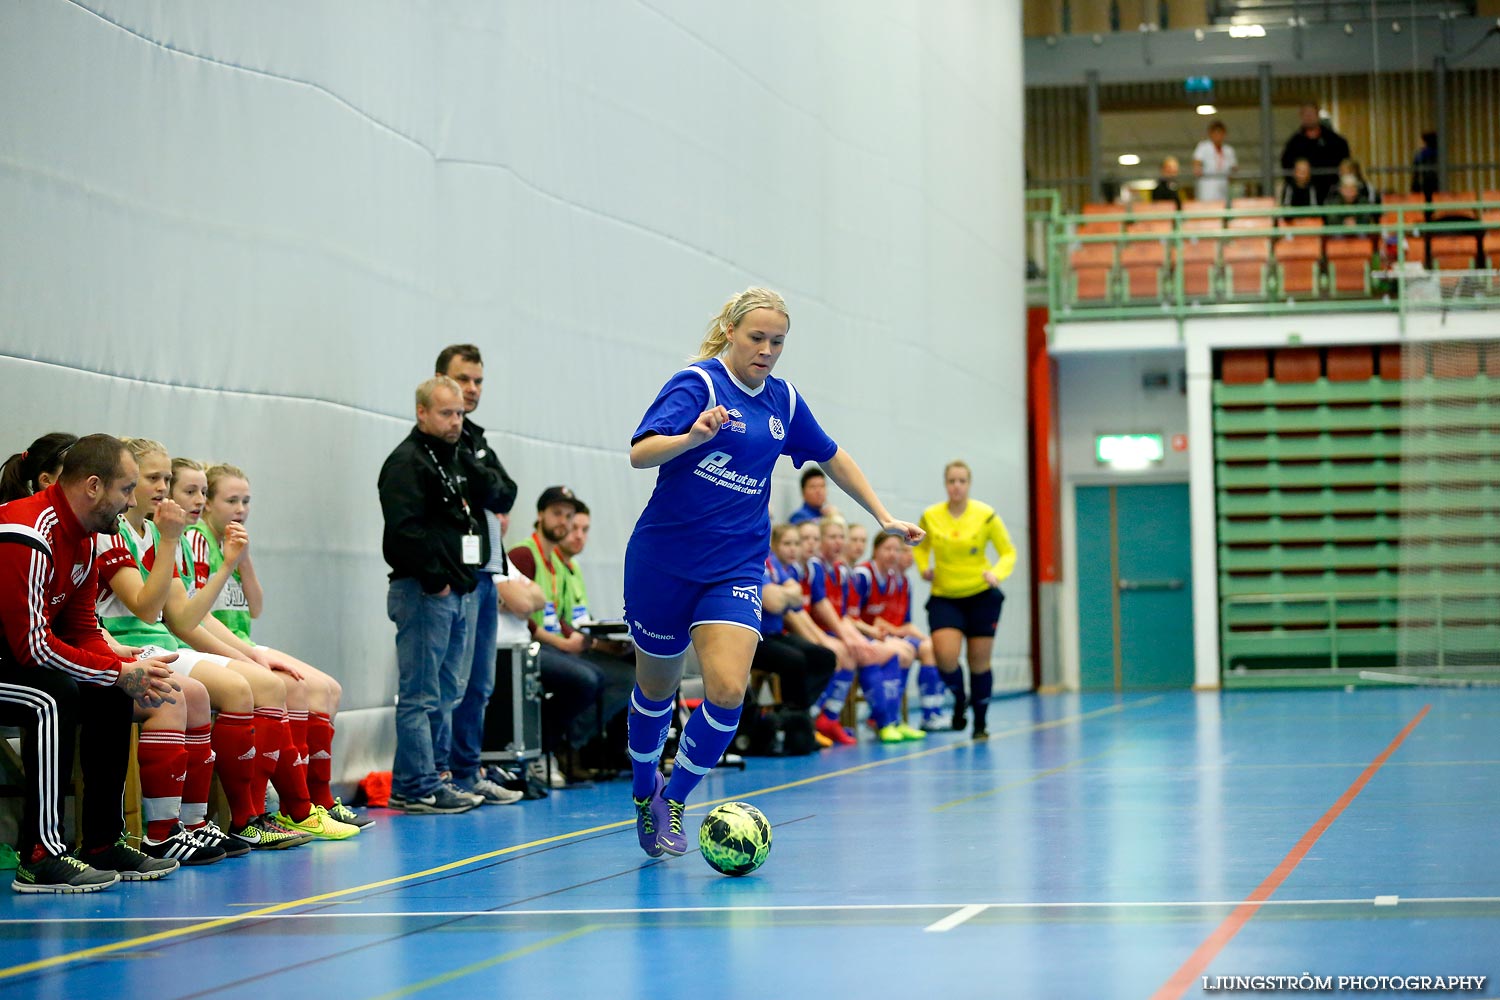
976	616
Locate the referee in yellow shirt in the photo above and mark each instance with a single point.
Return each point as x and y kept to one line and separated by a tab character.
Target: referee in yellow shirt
966	597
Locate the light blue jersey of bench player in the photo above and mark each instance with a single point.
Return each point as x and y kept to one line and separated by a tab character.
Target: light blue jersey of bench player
707	524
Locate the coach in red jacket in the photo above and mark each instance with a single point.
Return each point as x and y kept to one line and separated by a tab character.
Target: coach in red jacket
59	677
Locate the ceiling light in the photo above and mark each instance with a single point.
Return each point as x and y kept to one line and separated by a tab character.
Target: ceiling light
1247	31
1207	109
1129	160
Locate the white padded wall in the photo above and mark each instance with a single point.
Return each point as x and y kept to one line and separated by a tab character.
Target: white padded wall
248	229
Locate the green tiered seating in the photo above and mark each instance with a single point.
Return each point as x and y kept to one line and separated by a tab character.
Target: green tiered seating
1358	518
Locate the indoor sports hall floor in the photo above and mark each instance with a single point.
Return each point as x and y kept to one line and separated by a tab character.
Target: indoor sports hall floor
1096	846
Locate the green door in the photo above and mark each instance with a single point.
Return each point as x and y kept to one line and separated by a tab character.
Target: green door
1135	599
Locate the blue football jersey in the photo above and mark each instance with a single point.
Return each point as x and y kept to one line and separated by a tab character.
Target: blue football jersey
709	517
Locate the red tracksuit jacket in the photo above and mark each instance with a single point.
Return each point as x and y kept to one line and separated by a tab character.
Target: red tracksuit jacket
47	588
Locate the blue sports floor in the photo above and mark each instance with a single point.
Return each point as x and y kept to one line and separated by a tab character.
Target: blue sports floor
1095	847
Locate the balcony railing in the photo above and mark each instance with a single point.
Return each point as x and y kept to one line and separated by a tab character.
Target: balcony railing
1257	258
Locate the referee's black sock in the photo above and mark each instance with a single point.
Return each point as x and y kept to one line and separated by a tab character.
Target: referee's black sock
955	681
981	685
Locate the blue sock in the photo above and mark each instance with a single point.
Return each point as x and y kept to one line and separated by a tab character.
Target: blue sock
982	685
704	740
893	676
930	687
648	723
871	683
832	702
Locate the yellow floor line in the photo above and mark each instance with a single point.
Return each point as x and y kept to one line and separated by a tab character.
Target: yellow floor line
467	970
97	951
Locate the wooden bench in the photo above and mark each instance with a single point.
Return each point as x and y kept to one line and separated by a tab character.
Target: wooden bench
10	746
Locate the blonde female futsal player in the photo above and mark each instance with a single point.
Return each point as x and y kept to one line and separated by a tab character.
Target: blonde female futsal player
694	563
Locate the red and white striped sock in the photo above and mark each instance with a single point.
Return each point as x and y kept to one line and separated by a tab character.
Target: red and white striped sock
162	756
234	747
320	759
200	777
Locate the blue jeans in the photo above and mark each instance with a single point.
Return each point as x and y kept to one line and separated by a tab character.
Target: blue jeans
474	696
430	634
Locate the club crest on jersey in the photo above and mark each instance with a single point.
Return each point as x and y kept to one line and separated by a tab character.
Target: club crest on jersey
777	431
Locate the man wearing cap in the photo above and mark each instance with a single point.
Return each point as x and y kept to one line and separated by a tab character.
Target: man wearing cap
566	675
466	694
540	559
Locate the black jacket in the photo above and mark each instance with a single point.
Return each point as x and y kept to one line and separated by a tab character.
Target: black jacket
425	519
494	479
1324	154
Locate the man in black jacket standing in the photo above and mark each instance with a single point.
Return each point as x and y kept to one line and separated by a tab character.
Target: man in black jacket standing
432	495
470	696
1324	149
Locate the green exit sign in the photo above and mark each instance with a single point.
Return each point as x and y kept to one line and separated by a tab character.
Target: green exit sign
1129	451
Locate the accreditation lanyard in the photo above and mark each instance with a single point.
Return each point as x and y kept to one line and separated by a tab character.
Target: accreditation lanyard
449	487
553	591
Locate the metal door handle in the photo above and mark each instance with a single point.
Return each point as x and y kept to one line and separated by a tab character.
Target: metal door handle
1173	583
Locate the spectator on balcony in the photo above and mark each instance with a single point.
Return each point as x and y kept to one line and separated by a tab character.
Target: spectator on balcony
1424	176
1166	184
1324	149
1214	163
1300	191
1348	194
1367	190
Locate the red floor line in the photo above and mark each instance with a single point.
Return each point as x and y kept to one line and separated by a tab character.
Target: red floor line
1188	974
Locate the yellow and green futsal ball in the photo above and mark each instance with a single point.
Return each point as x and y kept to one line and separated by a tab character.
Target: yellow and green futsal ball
735	838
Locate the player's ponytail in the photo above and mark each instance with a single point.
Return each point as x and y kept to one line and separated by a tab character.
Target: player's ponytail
20	475
717	336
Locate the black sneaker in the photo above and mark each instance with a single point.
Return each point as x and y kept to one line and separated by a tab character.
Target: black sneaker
210	833
261	834
185	847
61	873
960	712
346	814
442	801
132	865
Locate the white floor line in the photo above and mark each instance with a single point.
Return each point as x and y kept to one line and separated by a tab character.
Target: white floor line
955	918
819	908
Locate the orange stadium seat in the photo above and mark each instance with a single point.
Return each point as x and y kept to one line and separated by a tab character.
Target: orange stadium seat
1299	258
1093	266
1200	253
1244	367
1455	359
1350	364
1145	263
1491	219
1101	228
1349	264
1453	252
1247	259
1297	364
1442	214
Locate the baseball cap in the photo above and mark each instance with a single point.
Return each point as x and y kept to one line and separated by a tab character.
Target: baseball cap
556	494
